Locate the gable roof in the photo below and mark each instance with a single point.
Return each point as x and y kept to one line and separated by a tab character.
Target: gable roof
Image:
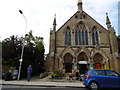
84	13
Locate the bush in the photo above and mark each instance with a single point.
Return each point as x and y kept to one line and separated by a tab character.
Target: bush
57	74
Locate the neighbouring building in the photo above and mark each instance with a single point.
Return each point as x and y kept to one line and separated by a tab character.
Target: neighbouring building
82	43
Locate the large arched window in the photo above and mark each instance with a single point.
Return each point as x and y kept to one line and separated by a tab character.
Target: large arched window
81	34
68	36
95	37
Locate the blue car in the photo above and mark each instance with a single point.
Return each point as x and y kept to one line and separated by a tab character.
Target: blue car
101	78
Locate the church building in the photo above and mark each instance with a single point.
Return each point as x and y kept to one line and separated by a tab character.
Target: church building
82	43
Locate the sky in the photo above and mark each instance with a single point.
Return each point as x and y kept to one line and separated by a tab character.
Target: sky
40	15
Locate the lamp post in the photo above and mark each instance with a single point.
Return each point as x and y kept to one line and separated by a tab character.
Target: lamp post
23	45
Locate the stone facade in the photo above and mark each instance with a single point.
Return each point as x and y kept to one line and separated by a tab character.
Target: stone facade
82	43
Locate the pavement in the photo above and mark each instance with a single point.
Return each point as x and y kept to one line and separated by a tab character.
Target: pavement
45	82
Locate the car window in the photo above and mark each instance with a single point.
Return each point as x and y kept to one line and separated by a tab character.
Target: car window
111	73
87	72
99	72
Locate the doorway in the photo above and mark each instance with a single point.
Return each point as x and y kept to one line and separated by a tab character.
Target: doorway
82	64
68	67
98	61
68	58
98	66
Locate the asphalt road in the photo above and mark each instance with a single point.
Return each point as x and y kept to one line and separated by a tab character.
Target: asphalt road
11	87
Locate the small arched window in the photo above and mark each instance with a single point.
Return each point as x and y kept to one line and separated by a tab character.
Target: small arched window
68	36
95	37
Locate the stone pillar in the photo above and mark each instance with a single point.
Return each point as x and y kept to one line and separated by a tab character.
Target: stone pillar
61	64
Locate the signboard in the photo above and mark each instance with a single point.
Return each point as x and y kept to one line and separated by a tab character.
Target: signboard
75	66
91	65
82	62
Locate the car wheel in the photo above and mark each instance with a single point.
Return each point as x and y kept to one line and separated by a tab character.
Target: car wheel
93	86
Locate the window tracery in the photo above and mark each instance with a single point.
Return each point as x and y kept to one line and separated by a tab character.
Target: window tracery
81	34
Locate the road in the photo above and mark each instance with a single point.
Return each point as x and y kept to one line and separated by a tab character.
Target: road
11	87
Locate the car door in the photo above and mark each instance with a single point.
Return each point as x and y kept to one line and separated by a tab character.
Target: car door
113	78
100	77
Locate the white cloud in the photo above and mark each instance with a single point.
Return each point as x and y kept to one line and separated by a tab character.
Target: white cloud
40	15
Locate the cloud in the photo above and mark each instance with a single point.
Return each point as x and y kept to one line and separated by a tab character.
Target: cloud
40	15
98	8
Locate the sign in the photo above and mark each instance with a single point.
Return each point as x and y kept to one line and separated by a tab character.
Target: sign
75	66
91	65
82	62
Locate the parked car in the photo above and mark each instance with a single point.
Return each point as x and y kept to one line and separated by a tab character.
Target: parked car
14	74
10	75
7	76
101	78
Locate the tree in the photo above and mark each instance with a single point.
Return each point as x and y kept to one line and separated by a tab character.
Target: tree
10	51
33	52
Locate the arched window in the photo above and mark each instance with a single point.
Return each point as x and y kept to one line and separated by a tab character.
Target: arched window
95	37
81	35
68	36
86	37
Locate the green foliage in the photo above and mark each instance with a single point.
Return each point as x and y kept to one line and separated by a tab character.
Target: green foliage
57	74
33	53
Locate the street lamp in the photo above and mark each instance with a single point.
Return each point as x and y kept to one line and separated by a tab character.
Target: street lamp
23	45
